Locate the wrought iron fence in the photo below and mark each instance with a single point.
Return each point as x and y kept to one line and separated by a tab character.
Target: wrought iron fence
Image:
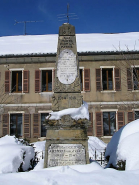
99	156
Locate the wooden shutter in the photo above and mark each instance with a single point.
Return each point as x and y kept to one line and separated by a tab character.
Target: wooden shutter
25	81
37	81
117	79
36	126
120	116
90	128
87	79
26	126
98	80
7	81
99	127
5	125
129	80
130	116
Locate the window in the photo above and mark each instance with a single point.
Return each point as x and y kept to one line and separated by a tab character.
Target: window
84	79
44	80
132	115
81	79
43	129
46	85
109	123
107	79
133	78
16	81
136	78
136	115
16	124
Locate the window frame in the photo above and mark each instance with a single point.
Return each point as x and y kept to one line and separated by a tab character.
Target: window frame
134	67
46	69
16	112
83	89
113	78
14	70
116	120
43	112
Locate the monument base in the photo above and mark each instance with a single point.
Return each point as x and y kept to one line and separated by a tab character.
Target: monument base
66	147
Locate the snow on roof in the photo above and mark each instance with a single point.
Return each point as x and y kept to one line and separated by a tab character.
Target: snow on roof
47	44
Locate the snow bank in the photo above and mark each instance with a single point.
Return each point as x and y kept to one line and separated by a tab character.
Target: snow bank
124	145
75	113
92	42
11	155
86	175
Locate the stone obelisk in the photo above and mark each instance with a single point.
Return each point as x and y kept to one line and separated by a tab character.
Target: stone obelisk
66	139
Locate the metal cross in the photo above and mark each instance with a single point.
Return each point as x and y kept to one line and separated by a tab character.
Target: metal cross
68	12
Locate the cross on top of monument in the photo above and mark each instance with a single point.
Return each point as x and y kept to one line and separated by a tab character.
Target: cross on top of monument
68	13
67	16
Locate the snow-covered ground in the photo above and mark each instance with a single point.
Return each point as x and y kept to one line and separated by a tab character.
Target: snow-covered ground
123	146
91	174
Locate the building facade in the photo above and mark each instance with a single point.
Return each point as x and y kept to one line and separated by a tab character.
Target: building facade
109	83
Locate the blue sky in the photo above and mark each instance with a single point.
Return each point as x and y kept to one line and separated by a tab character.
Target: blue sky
95	16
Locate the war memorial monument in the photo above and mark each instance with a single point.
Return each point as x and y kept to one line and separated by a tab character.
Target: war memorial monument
66	139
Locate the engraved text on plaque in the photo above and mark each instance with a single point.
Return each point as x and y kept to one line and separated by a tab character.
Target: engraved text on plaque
67	67
66	154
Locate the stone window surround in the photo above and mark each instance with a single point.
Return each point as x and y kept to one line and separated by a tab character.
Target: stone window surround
134	66
16	69
111	110
134	110
108	67
82	79
40	112
15	112
48	68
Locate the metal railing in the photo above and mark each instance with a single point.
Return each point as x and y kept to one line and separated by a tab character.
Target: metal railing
99	156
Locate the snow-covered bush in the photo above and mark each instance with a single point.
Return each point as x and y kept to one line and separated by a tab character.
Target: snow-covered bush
14	155
124	147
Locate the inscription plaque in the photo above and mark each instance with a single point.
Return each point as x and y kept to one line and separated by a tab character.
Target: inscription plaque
66	154
67	67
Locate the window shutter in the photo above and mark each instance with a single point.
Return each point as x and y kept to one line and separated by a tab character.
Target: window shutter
117	79
87	79
36	126
7	81
25	81
130	116
98	80
37	81
90	128
5	125
129	80
99	128
120	119
26	126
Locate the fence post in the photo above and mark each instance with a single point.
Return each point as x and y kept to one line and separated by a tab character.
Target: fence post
95	155
101	158
42	154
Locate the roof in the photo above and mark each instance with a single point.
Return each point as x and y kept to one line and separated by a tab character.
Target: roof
47	44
